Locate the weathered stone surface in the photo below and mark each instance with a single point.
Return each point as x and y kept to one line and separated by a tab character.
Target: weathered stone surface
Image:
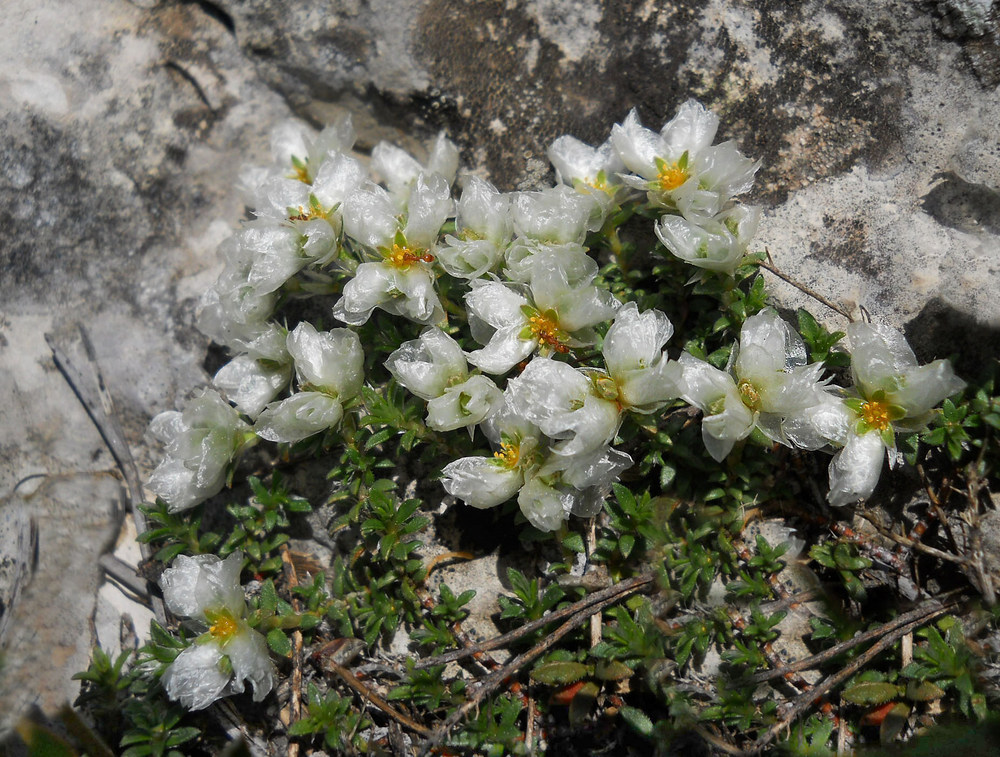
122	127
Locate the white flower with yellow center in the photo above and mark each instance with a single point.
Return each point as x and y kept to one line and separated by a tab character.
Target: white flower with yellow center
892	393
678	167
593	171
207	590
767	381
643	377
401	282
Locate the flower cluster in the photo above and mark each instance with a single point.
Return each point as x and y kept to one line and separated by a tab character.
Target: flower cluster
382	238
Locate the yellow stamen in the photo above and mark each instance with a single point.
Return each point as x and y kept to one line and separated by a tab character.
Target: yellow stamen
509	454
749	395
876	414
308	214
671	176
223	627
403	257
546	331
301	173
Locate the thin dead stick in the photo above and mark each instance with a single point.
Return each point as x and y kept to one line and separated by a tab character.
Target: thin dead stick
804	701
769	266
100	406
922	614
913	544
497	678
351	680
295	697
629	586
716	741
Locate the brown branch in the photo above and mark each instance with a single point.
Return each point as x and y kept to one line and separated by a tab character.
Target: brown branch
769	266
801	703
629	586
351	680
295	696
927	611
912	543
580	615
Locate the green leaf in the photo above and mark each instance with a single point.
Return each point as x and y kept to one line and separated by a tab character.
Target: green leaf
279	643
574	543
870	692
559	673
638	719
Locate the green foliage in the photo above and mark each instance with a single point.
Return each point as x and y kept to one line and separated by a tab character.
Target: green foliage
334	718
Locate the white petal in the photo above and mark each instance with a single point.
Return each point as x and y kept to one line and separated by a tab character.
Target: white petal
485	211
247	651
338	137
194	584
504	350
496	304
702	384
468	259
635	341
879	356
194	678
557	215
395	166
250	384
464	405
443	159
426	366
923	387
722	430
855	470
337	178
545	507
332	360
174	483
691	130
429	206
481	481
370	288
370	217
298	417
636	146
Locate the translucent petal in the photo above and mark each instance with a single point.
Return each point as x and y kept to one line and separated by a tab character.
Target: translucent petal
332	360
337	178
249	384
194	678
370	217
702	384
429	206
481	481
545	507
443	158
426	366
298	417
923	387
635	341
879	356
485	211
505	349
636	146
496	304
855	470
194	584
691	130
247	651
556	215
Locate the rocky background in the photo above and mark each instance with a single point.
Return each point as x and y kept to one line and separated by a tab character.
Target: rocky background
123	126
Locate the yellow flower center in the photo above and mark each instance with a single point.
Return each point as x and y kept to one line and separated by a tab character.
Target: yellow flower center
223	627
509	454
749	395
546	331
671	176
308	214
403	257
876	414
300	172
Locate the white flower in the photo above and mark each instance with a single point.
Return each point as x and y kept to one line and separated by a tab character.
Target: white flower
400	170
483	230
201	442
428	365
558	316
484	482
633	353
894	394
768	381
330	369
402	282
589	170
250	383
464	405
564	404
718	244
678	167
220	661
